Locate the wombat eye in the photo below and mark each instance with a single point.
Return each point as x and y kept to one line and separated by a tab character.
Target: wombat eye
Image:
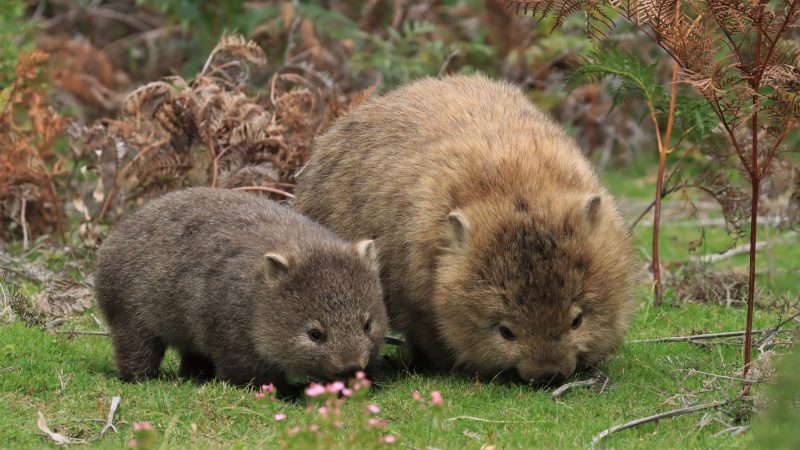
577	321
368	326
316	335
506	333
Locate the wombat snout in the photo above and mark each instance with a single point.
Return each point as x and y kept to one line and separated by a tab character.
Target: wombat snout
546	374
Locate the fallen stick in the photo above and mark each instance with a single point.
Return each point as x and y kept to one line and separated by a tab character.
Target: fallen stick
76	332
656	417
731	252
598	377
58	438
110	420
700	337
481	419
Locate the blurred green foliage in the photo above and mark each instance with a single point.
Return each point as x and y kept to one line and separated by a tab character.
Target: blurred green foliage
15	37
779	427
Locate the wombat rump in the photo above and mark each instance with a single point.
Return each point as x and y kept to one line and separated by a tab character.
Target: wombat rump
245	289
500	250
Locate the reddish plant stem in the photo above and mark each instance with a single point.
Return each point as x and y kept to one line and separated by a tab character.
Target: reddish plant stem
663	148
755	183
658	288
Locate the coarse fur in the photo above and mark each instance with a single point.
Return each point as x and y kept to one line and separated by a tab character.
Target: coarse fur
236	283
500	250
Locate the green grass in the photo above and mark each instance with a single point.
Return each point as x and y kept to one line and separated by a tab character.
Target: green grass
71	378
644	378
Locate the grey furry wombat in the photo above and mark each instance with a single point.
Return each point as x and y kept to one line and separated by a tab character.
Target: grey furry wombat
500	249
245	289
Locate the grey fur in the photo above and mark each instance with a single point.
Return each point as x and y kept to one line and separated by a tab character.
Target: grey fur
235	282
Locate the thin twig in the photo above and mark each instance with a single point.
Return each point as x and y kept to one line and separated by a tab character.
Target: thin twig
731	252
777	329
715	375
480	419
734	430
264	189
449	59
81	332
656	417
24	224
110	420
567	386
699	337
58	438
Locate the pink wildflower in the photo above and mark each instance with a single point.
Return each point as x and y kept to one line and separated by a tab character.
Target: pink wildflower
294	431
388	439
436	398
314	428
133	443
360	375
415	395
373	409
267	388
322	411
142	426
347	392
315	390
259	395
335	387
375	422
279	416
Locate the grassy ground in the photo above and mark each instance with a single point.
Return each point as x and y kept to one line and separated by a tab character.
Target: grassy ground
71	379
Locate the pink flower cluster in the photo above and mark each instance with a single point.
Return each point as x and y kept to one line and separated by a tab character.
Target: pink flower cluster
339	388
137	426
325	408
387	439
267	390
436	397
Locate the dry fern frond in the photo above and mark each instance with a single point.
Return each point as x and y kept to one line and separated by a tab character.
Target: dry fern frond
29	203
211	131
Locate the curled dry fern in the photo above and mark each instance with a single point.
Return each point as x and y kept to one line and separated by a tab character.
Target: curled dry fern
211	131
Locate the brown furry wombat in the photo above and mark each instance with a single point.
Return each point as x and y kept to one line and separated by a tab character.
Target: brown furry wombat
500	250
244	289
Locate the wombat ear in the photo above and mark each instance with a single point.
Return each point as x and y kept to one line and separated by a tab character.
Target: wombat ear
591	208
275	266
457	229
366	249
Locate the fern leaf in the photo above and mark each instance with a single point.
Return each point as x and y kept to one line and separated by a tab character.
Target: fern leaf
631	78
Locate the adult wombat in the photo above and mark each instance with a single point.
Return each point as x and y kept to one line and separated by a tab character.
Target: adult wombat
499	247
244	288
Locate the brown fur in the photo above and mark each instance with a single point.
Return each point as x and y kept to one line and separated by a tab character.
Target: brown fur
485	215
235	282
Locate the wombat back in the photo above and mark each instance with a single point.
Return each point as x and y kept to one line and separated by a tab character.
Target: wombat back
244	288
500	249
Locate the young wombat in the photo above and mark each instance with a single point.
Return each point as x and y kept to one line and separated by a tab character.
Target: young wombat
500	250
244	288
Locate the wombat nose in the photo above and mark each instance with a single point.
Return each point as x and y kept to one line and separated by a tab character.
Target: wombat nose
348	370
547	376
